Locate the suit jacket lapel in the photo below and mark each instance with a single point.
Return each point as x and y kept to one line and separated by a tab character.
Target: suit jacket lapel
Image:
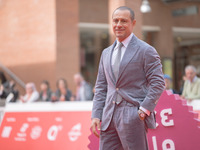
129	53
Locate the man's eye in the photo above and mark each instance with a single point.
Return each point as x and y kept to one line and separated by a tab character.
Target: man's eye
123	21
115	21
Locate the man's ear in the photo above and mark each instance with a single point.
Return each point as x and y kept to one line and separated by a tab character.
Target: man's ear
134	22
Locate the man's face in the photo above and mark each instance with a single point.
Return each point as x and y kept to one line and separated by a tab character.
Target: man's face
61	84
43	87
122	24
29	89
77	80
190	74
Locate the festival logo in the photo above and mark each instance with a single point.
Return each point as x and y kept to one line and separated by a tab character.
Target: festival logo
21	136
75	132
36	132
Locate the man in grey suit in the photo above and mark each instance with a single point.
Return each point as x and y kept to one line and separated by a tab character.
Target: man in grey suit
129	84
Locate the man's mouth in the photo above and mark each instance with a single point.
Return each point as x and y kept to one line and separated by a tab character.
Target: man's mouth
118	30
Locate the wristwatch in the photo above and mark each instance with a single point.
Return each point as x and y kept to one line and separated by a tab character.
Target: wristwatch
141	114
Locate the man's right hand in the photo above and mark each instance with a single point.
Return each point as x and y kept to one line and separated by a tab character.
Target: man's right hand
95	124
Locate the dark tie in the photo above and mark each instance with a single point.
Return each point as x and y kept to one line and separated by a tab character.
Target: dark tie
116	69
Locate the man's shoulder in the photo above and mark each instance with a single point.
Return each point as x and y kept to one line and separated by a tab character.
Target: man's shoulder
140	42
144	46
147	49
107	49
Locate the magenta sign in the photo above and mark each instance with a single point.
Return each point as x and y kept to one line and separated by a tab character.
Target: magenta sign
177	126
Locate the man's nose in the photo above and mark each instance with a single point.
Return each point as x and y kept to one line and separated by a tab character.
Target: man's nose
119	24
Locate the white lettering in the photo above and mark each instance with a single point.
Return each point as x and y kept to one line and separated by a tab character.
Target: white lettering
33	119
154	143
168	145
24	127
6	132
11	119
164	117
52	133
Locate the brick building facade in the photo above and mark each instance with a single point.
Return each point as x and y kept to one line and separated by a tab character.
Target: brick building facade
49	39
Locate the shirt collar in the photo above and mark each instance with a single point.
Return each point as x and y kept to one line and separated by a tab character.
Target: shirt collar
126	41
194	80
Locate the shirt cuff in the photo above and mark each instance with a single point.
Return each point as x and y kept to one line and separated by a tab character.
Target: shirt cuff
145	110
96	118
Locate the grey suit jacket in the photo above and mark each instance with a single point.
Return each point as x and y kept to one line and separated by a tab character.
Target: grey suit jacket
140	81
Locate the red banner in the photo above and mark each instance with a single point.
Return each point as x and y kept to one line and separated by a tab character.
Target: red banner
45	130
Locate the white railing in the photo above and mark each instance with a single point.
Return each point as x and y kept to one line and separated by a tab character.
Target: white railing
1	114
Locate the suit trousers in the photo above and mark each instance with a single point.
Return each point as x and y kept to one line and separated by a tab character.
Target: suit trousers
126	130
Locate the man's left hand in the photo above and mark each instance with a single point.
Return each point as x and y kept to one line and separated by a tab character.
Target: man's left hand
141	114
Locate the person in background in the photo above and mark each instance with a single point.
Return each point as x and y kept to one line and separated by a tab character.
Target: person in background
2	94
31	95
2	78
181	84
2	81
62	92
168	82
45	93
83	89
191	88
9	90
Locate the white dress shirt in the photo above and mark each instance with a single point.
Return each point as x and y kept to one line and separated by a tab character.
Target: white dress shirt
34	97
123	49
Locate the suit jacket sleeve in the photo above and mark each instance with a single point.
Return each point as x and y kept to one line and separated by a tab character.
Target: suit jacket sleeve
154	77
100	92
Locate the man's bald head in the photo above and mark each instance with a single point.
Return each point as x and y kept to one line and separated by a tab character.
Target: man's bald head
132	14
